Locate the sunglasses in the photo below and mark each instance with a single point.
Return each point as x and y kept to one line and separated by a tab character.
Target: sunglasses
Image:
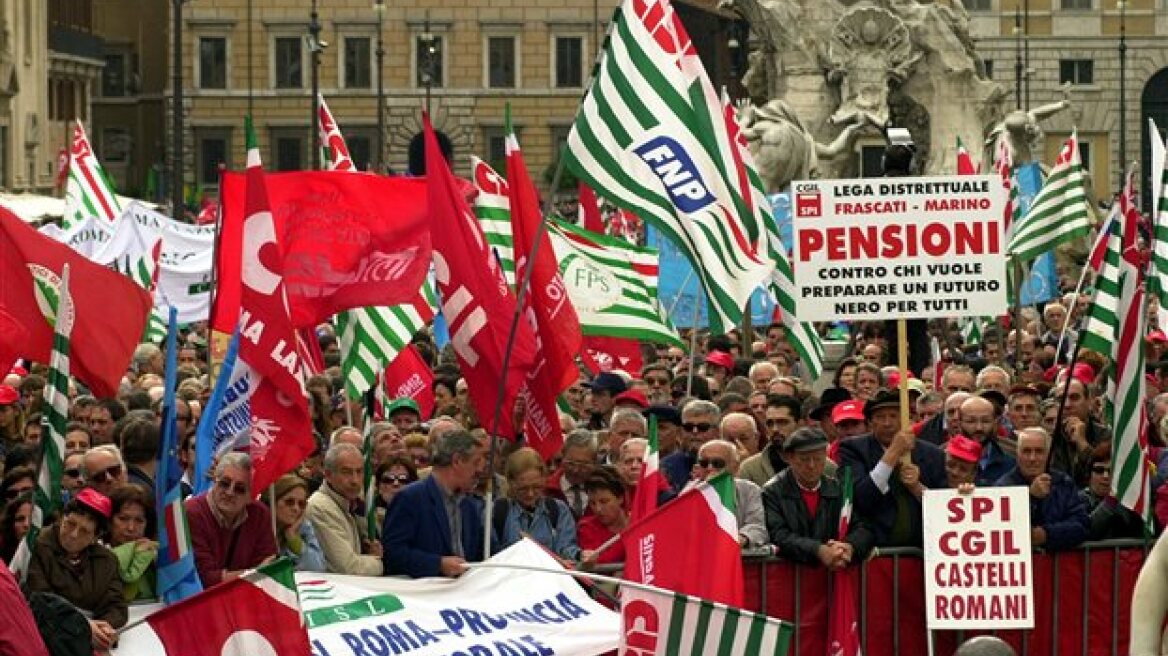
1101	469
711	463
231	486
702	427
395	479
17	491
72	473
107	474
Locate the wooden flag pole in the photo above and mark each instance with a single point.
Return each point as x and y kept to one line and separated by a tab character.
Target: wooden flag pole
902	366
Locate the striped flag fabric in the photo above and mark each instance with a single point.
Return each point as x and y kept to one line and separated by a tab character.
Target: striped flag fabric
336	151
47	494
492	207
1004	166
964	160
1103	314
1061	211
1099	249
650	137
843	637
666	623
971	330
225	424
645	496
88	191
612	284
177	576
1158	278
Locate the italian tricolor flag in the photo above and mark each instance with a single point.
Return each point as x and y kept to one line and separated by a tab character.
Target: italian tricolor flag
697	532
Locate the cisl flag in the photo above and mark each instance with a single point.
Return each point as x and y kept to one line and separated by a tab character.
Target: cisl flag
697	532
257	613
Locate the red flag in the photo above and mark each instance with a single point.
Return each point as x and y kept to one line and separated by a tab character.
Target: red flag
12	339
843	637
281	435
696	532
111	308
589	209
408	376
476	302
348	240
964	160
308	345
609	353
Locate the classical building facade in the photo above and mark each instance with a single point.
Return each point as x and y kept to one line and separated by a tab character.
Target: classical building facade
1075	45
462	59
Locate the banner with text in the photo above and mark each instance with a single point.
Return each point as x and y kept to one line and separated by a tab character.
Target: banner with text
978	571
899	248
486	612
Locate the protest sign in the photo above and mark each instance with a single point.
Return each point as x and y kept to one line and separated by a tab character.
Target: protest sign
978	572
899	248
487	612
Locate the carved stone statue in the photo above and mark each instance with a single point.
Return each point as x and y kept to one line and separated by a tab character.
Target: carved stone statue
784	149
1021	133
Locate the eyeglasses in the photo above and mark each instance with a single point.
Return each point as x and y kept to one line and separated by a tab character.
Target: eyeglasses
701	428
1101	469
12	493
711	463
73	473
395	479
107	474
227	485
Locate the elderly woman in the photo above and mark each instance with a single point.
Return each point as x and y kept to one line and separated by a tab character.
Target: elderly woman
132	540
298	540
390	477
67	560
606	500
526	512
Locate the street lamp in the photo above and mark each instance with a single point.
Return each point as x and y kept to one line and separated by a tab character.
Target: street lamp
1122	90
429	53
379	8
1017	56
176	167
315	47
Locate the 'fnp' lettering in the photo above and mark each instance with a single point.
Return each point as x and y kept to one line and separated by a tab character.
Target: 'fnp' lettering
677	171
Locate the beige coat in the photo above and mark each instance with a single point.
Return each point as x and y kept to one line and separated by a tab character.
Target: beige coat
340	534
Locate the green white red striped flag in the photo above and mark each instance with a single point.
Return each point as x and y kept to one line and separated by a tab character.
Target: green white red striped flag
1158	273
964	160
612	285
492	207
88	191
666	623
1104	311
650	137
843	637
1060	212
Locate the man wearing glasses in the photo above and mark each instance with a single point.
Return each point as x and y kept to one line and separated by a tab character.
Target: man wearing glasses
717	456
576	464
104	469
337	512
231	532
699	424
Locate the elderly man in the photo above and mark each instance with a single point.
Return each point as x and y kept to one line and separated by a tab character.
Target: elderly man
803	507
761	374
435	526
739	429
783	416
717	456
961	457
626	424
629	466
668	428
103	468
995	378
335	511
979	423
230	531
699	423
945	425
1058	515
577	461
887	491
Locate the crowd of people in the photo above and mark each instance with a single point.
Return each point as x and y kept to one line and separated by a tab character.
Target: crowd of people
991	417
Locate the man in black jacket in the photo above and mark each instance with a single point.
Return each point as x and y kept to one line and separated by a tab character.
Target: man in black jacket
803	507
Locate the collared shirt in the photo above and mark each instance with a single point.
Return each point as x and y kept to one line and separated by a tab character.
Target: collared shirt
576	496
222	520
452	502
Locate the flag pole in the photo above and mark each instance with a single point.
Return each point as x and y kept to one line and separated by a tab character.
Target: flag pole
693	343
1070	310
902	366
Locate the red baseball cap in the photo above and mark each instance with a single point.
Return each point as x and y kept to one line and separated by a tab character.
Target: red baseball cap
852	409
634	396
8	395
721	359
963	448
1157	336
96	500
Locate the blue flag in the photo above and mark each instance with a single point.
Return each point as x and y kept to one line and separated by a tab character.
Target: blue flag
1041	283
226	421
177	576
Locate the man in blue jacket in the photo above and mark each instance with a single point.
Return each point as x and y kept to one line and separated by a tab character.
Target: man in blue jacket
1058	516
435	526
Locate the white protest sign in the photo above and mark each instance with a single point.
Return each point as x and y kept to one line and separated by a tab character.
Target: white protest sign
899	248
978	572
486	612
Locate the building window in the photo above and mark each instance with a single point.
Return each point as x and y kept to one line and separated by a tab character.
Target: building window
1085	153
358	62
569	62
360	150
212	62
116	144
289	58
988	64
979	5
1076	71
428	54
288	149
559	141
1078	4
213	154
495	147
113	76
501	64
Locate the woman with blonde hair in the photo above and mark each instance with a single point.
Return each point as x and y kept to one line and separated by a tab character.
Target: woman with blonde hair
297	538
527	512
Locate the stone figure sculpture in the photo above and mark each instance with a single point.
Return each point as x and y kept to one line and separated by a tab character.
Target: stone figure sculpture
1021	131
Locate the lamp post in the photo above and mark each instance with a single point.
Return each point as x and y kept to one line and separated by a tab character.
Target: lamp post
315	45
176	165
1017	56
1122	90
379	8
429	52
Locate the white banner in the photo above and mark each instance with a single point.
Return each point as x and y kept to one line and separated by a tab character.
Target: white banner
486	612
978	571
899	248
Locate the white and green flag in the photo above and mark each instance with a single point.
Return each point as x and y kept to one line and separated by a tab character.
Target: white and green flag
661	622
492	206
1060	212
88	191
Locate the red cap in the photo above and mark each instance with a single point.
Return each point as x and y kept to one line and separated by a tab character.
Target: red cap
721	359
632	396
8	395
963	448
96	500
1157	336
22	372
852	409
1084	372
